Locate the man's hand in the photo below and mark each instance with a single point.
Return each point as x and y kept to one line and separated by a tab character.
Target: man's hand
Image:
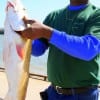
36	30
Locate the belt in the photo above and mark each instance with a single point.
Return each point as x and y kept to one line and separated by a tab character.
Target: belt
71	91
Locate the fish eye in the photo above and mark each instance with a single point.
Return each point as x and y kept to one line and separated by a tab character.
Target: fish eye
24	9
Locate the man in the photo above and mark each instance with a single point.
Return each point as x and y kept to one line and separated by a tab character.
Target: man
73	37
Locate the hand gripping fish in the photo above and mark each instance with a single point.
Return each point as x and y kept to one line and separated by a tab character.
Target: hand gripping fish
16	51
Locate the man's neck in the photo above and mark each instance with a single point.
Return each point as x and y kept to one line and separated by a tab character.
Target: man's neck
78	2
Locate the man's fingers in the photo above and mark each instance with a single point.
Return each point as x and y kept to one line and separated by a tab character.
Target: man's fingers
28	21
27	32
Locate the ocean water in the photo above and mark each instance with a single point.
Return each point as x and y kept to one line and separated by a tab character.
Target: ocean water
37	64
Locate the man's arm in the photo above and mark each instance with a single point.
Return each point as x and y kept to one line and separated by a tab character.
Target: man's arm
38	47
84	47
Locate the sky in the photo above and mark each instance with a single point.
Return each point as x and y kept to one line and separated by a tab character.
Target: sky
39	9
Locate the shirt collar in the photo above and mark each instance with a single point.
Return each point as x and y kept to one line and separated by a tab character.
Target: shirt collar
75	8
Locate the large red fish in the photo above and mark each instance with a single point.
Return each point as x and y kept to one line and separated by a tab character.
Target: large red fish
16	51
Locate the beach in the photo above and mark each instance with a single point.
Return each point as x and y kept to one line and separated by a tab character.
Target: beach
34	87
36	84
